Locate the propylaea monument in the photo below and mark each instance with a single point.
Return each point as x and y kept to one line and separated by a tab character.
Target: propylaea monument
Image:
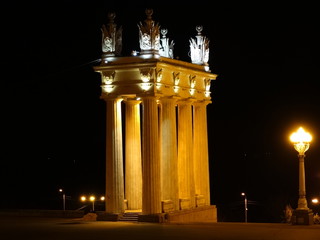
157	163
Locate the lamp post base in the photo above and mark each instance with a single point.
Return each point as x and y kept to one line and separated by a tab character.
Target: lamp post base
302	217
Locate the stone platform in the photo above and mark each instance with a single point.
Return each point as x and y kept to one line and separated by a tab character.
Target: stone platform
199	214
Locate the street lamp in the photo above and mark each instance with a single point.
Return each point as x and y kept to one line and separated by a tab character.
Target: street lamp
92	199
315	202
301	142
63	198
245	207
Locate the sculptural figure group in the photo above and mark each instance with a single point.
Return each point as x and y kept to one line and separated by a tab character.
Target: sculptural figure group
150	41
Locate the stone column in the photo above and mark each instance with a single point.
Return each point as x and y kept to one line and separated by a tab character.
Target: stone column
151	185
114	158
169	160
185	155
133	171
200	141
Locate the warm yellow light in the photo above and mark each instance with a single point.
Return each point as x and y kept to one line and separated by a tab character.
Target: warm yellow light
83	198
145	78
243	194
102	198
60	190
300	136
107	88
146	86
315	201
92	198
301	141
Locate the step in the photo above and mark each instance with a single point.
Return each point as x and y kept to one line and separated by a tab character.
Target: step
130	216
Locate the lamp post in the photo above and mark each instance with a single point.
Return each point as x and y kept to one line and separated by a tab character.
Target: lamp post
245	207
63	199
92	199
315	202
301	142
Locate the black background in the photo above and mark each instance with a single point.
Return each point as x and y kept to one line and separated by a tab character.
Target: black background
53	130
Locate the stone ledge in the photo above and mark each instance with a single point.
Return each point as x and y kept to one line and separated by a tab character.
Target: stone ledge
155	218
199	214
103	216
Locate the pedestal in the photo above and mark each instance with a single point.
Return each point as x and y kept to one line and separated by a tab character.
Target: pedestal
302	217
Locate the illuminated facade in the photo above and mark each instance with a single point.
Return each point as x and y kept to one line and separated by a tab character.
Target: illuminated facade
160	165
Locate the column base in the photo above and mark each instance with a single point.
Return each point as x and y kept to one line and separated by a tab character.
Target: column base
199	214
302	217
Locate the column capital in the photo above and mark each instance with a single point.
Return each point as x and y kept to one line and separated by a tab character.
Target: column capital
132	101
155	98
112	98
169	98
185	101
201	103
155	95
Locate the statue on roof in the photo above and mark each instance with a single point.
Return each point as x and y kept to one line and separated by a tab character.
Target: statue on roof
199	48
149	34
111	37
166	48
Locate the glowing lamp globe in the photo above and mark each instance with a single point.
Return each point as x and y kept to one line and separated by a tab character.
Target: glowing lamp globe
301	140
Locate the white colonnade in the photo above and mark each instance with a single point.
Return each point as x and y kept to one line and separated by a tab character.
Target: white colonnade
167	169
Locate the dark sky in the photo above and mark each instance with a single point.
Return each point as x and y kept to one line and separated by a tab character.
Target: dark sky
267	60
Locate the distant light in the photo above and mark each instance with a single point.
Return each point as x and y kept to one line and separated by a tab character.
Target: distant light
315	200
60	190
92	198
134	53
102	198
83	198
243	194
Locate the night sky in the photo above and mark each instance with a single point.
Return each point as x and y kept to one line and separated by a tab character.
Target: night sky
53	121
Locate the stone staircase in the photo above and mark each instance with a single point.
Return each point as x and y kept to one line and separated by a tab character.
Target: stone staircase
130	217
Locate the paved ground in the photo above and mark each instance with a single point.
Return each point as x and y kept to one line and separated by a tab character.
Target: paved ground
36	228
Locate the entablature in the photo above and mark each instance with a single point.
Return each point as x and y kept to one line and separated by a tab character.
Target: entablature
154	76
